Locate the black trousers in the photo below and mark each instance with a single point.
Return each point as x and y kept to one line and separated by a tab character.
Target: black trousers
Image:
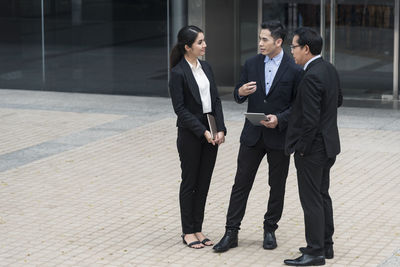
197	158
313	181
248	161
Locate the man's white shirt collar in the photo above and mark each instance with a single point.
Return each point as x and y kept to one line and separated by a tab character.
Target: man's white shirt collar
311	60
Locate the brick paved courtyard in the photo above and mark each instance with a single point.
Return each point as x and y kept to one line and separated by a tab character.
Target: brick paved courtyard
95	183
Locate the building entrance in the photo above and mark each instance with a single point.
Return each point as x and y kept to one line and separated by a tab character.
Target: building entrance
359	38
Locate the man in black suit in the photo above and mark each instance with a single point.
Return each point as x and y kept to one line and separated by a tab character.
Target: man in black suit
268	81
314	138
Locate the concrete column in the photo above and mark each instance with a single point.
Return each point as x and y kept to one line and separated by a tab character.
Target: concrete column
322	26
396	51
178	17
333	31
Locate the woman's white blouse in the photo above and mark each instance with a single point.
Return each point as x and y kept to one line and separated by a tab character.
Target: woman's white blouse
204	86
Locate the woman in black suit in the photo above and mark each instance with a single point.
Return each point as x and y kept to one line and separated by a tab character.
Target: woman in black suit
194	95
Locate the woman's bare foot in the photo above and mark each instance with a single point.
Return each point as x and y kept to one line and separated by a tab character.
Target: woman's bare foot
203	239
190	238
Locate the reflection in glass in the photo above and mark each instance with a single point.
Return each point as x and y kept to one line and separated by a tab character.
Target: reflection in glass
364	47
99	46
20	45
363	39
293	14
106	46
248	30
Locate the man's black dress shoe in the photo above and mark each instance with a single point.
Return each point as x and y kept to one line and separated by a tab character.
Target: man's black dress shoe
229	240
328	252
306	260
269	240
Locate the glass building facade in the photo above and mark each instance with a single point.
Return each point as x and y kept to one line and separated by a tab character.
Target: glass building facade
122	47
94	46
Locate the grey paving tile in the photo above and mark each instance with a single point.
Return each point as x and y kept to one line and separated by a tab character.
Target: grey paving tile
105	192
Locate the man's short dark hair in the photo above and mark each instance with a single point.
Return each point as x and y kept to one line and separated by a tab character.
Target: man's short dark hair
276	28
310	37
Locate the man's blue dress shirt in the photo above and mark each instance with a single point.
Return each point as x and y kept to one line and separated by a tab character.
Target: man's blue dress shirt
271	66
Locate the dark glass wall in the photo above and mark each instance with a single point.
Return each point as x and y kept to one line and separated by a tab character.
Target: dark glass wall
20	44
364	47
231	35
221	14
293	14
95	46
364	32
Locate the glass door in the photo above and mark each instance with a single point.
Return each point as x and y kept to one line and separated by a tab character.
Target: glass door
21	45
359	41
364	43
293	14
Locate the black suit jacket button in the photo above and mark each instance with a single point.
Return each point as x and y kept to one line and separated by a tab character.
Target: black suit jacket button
265	101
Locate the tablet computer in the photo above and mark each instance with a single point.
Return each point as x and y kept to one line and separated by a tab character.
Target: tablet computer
255	118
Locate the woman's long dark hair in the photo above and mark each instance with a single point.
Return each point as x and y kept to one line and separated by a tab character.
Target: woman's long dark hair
186	36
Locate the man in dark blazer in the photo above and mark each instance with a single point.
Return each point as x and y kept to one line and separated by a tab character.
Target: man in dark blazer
268	82
314	138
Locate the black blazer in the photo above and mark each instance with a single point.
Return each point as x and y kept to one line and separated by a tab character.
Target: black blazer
314	112
277	102
186	99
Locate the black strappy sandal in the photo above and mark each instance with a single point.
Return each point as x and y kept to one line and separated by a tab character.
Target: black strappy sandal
205	240
191	245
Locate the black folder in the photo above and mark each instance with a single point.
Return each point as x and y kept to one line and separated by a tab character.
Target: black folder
212	125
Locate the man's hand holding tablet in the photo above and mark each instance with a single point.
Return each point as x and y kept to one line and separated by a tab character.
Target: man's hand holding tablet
270	122
260	119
